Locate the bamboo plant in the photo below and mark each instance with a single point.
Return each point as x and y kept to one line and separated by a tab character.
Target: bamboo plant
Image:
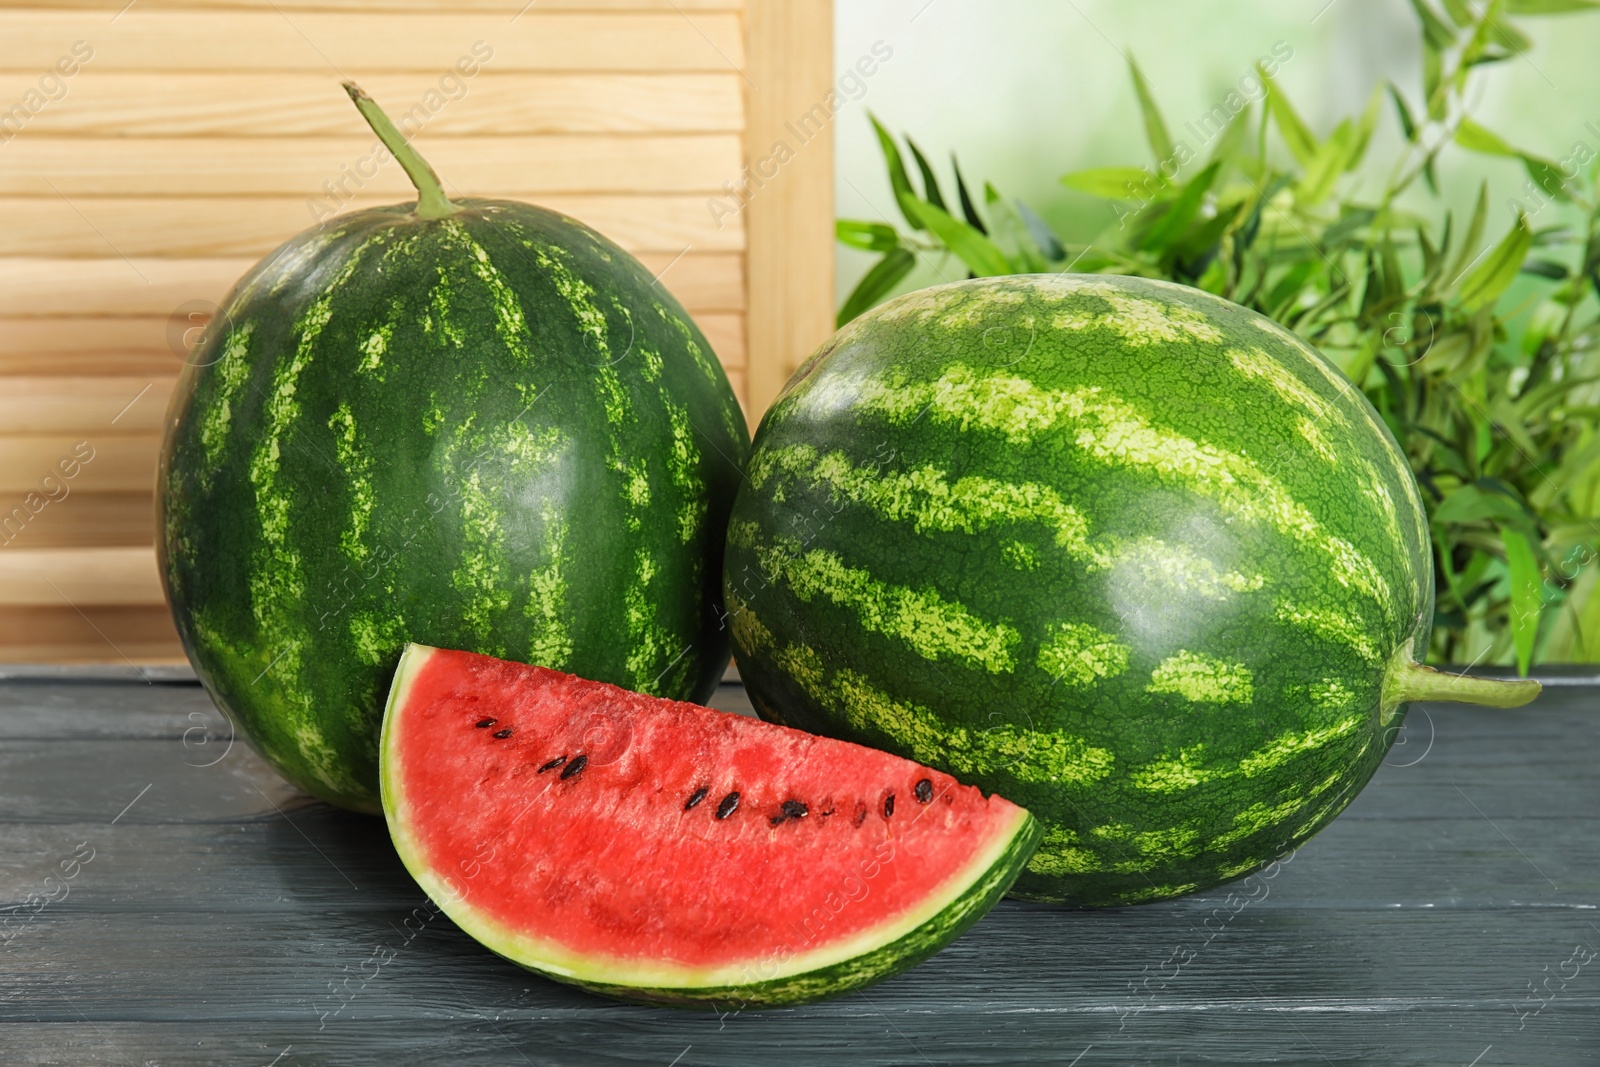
1477	345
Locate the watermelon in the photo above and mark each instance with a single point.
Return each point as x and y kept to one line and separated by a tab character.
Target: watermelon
659	851
475	423
1137	558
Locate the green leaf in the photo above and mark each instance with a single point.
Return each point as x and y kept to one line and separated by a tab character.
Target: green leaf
969	211
1326	166
869	236
1546	175
1459	13
876	284
1436	33
1111	182
1526	581
1549	7
1230	143
1351	220
981	255
1469	244
1575	632
1470	503
1484	283
1290	286
1408	125
1546	268
1363	130
1295	133
1433	86
1155	127
1042	234
1476	138
1429	173
930	184
898	179
1508	36
1182	212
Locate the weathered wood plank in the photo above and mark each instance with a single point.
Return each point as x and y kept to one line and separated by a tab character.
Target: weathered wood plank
86	520
223	227
178	103
80	289
33	39
225	919
120	463
89	633
528	167
508	8
44	577
67	404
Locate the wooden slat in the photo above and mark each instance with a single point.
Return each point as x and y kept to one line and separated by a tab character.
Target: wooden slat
226	41
122	463
726	334
84	405
74	336
38	286
197	226
181	104
84	520
92	634
521	167
790	218
119	347
505	7
48	577
45	364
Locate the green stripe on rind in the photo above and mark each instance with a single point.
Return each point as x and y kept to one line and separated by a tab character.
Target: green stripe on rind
990	877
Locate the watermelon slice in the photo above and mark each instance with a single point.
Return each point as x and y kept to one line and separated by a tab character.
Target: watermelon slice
660	851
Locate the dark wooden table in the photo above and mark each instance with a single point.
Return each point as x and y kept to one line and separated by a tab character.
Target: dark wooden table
214	916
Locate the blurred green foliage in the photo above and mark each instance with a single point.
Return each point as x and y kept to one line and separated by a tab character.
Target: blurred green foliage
1491	387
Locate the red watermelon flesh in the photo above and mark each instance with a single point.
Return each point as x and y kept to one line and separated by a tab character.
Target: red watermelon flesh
663	851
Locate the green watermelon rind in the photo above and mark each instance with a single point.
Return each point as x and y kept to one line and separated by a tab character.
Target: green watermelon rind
921	558
492	431
991	877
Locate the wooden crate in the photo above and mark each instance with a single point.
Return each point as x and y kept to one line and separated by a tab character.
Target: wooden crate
164	145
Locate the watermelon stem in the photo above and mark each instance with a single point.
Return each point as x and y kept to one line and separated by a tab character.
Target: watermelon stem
431	201
1409	680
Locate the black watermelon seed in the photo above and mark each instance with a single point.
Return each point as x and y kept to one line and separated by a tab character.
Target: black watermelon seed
502	734
792	809
861	814
924	791
888	805
729	805
578	764
484	724
553	764
696	797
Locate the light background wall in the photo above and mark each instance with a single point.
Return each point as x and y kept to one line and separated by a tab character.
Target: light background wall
1027	90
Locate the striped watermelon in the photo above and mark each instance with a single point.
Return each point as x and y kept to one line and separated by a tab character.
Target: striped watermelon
477	424
1135	557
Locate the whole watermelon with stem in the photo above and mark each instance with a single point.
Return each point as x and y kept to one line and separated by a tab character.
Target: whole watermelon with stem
1132	556
476	424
